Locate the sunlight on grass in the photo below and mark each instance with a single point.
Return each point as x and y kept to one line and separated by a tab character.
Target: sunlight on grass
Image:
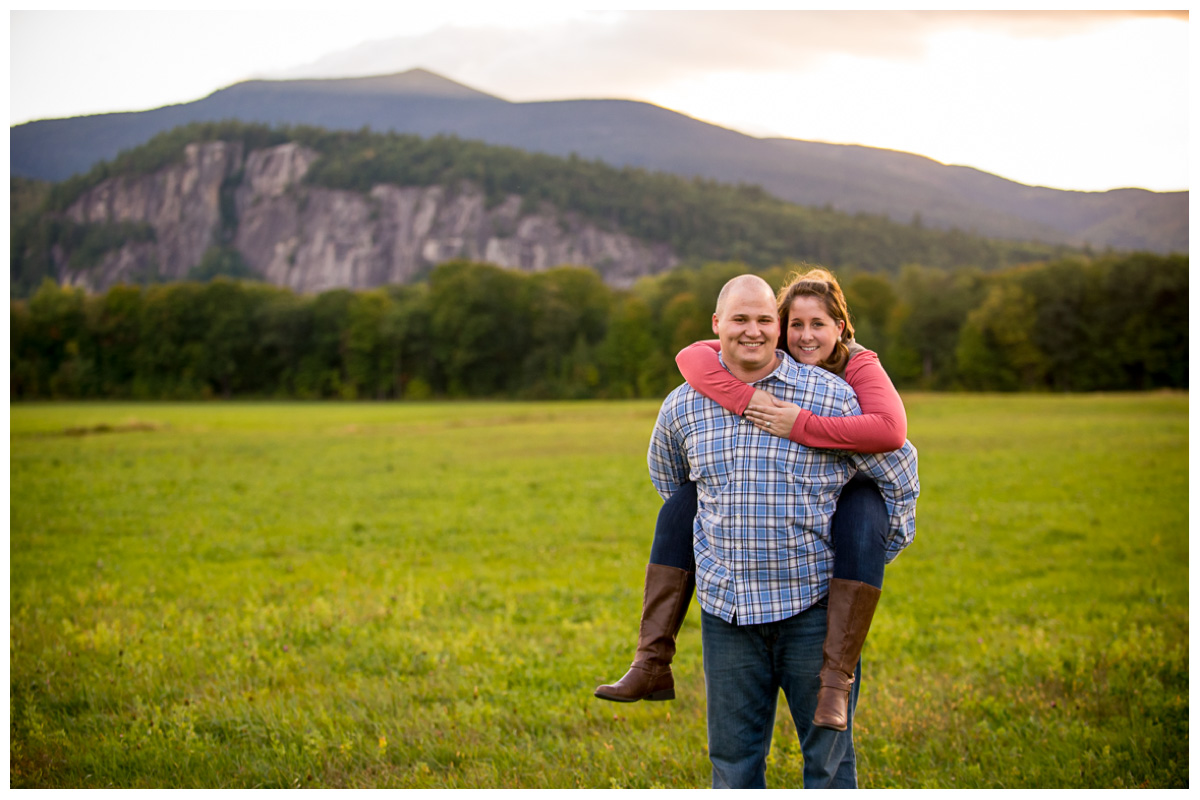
407	595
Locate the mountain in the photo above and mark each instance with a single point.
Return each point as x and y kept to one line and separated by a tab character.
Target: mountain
903	186
314	209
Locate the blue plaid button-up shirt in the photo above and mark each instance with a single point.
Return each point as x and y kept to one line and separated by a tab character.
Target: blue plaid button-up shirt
761	535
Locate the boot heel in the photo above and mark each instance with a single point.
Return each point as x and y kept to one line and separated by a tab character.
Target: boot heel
664	694
851	606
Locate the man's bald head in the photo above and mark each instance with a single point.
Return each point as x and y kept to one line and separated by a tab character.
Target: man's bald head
740	284
747	324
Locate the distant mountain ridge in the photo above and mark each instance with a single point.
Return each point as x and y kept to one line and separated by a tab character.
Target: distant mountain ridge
903	186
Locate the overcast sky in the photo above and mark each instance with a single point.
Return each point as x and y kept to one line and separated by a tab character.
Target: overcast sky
1072	100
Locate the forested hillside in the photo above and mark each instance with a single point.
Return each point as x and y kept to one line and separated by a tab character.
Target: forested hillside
475	330
945	310
696	220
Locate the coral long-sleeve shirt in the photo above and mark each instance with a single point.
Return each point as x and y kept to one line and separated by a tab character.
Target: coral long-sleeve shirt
882	427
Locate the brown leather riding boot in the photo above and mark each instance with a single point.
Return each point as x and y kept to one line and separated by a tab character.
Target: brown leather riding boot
851	606
664	605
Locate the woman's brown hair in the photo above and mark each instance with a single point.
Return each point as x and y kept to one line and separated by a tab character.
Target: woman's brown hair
819	283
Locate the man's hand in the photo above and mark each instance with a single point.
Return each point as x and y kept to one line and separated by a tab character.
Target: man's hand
772	415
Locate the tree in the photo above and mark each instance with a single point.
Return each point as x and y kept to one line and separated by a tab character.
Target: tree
479	319
996	347
686	320
170	349
115	320
226	339
1120	322
1065	330
569	309
871	299
1146	319
924	328
321	372
628	355
368	355
61	349
405	329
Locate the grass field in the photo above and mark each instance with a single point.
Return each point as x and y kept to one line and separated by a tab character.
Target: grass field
394	595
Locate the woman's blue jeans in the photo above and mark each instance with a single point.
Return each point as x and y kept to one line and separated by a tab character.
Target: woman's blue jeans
859	530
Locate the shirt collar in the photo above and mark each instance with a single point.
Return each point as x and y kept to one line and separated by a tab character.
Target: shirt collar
788	370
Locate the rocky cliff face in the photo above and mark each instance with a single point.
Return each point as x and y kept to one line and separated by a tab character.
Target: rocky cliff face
181	204
311	239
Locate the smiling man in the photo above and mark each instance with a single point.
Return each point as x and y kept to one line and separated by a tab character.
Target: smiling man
761	541
747	324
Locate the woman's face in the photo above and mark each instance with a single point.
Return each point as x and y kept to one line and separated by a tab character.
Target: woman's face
811	332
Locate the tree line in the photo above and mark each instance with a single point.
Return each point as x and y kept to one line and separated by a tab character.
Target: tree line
701	220
476	330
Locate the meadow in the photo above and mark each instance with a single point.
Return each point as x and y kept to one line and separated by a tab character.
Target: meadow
425	595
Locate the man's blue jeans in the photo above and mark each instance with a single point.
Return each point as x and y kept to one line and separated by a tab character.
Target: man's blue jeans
745	666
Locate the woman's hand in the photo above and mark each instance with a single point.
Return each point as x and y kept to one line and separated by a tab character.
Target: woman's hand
772	415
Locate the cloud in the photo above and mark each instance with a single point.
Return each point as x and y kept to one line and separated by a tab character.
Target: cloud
625	46
627	54
1039	24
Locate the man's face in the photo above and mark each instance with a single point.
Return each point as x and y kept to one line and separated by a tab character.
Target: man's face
748	327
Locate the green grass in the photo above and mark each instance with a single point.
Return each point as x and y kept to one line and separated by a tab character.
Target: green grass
371	595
